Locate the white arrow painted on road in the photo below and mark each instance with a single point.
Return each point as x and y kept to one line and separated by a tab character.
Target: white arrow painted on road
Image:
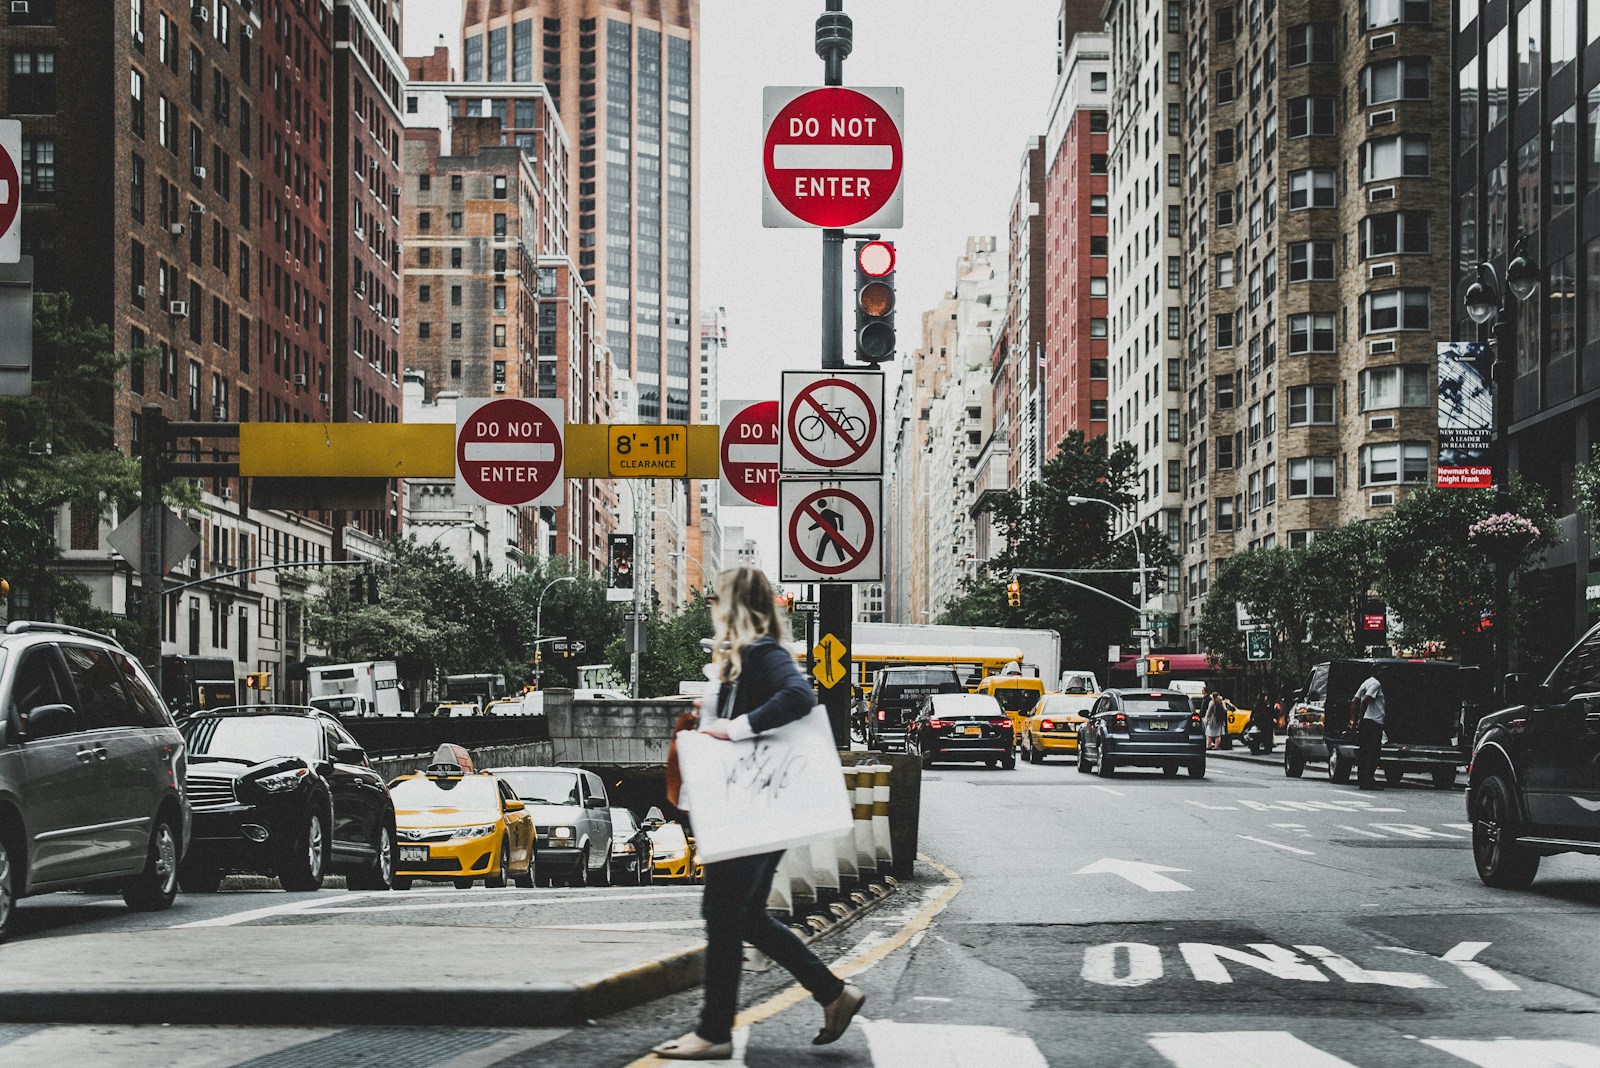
1138	873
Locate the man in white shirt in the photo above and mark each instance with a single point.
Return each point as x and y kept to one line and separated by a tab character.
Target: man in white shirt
1368	705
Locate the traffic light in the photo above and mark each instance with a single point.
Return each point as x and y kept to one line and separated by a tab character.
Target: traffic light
258	680
621	571
1157	665
875	263
1014	594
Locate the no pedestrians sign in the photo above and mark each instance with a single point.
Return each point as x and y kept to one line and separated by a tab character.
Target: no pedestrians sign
833	156
831	530
508	451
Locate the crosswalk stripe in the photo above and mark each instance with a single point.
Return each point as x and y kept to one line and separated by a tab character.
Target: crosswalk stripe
898	1045
1519	1052
1240	1049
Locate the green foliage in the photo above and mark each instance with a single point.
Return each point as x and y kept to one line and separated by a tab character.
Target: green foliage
576	610
672	648
1586	488
1042	530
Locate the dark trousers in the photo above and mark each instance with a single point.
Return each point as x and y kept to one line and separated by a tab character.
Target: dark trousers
1367	758
735	910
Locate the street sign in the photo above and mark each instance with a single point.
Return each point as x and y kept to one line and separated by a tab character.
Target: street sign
807	606
652	450
177	538
749	452
833	156
508	451
830	530
832	423
10	191
1258	645
829	661
1113	653
1144	633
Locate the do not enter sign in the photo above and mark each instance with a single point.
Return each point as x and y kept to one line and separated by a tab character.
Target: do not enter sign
750	438
833	156
508	451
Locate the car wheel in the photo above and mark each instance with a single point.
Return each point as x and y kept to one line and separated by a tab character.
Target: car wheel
462	883
1170	770
925	758
1338	766
1083	759
1393	774
402	882
199	878
1105	767
307	855
156	887
991	763
527	879
8	890
1009	763
1294	765
379	875
502	871
1444	778
647	871
1500	861
1035	754
580	874
603	876
1197	769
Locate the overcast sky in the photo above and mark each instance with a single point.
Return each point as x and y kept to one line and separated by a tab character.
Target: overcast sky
977	78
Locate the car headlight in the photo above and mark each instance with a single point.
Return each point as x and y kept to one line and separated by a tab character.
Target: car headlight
561	834
670	854
282	781
482	830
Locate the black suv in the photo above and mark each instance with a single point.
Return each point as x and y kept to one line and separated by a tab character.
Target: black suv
1533	788
897	692
284	789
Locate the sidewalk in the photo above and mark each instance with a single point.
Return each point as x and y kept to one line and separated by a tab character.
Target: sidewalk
1239	752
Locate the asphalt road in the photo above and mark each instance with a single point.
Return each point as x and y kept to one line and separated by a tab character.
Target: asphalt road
1241	920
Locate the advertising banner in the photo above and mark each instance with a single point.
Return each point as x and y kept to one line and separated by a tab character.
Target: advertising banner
1466	415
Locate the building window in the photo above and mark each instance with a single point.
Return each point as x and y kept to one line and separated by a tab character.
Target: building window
136	100
1310	43
1254	423
1224	449
1099	121
1097	81
38	168
455	258
424	330
1224	515
33	82
1225	270
499	187
1311	476
455	220
1174	333
1225	87
1225	391
1310	332
1394	309
1097	286
455	296
1225	208
1311	116
1097	245
1174	272
1376	13
1097	410
1097	163
499	226
1224	334
1313	188
1097	327
1097	204
1254	497
1403	386
1311	405
1269	485
1174	425
1395	79
1401	156
1223	154
455	331
499	335
1394	232
1392	462
1311	261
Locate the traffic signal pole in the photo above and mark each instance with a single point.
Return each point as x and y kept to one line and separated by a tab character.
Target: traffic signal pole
835	600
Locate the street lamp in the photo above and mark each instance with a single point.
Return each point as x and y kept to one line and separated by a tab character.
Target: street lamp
538	627
1144	588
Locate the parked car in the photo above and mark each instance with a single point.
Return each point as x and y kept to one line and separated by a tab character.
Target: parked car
672	851
570	808
962	726
1143	728
1423	721
896	694
1533	787
631	859
461	824
1052	728
91	767
284	790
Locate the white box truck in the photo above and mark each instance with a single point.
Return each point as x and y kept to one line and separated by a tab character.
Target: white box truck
1041	649
371	688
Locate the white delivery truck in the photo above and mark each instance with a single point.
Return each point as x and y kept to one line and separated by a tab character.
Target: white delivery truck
1041	649
371	688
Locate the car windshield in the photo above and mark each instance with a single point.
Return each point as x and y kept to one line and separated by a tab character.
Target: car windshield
918	678
543	787
254	738
622	822
1016	699
335	704
477	792
1155	704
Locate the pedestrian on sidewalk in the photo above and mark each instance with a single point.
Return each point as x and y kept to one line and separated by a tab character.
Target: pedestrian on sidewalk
761	690
1368	706
1263	716
1216	721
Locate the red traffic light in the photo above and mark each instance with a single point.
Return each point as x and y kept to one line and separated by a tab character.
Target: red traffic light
875	258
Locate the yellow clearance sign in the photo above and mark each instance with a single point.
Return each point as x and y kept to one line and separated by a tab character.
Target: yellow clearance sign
648	451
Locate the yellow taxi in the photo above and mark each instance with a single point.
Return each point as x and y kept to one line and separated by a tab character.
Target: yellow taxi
455	822
1017	694
672	852
1052	727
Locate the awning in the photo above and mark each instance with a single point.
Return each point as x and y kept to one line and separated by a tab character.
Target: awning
1178	663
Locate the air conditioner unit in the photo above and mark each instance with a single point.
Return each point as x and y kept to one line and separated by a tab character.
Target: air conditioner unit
323	397
227	493
1381	118
200	13
1381	422
178	309
499	387
19	7
1381	270
1379	348
1380	40
196	208
138	36
175	229
299	380
200	173
360	233
247	31
138	291
1380	192
1381	500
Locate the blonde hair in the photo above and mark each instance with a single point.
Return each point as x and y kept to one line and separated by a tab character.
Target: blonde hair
744	611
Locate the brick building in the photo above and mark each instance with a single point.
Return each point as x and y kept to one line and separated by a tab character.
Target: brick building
1015	372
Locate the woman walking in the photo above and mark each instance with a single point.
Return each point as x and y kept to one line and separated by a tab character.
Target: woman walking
1216	722
761	689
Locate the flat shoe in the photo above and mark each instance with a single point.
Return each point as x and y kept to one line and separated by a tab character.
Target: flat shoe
837	1016
683	1049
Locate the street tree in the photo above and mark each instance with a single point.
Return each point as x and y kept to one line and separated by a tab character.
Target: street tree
672	648
575	610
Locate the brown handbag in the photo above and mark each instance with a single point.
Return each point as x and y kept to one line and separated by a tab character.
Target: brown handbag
687	721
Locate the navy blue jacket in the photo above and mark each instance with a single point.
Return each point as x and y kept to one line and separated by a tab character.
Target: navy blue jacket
771	690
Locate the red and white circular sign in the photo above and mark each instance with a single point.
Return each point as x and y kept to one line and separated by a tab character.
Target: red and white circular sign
509	451
750	440
833	158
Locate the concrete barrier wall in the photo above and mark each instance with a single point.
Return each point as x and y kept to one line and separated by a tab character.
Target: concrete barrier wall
537	754
617	734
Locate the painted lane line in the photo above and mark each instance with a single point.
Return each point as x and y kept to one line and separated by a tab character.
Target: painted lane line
900	1045
1415	830
1145	876
1463	955
1299	829
1457	826
307	904
1358	830
1213	808
496	902
1240	1049
1520	1053
1276	845
927	997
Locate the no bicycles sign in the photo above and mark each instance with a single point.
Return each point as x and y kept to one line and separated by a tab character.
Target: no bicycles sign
832	423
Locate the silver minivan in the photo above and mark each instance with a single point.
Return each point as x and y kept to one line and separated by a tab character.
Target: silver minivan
572	822
91	767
